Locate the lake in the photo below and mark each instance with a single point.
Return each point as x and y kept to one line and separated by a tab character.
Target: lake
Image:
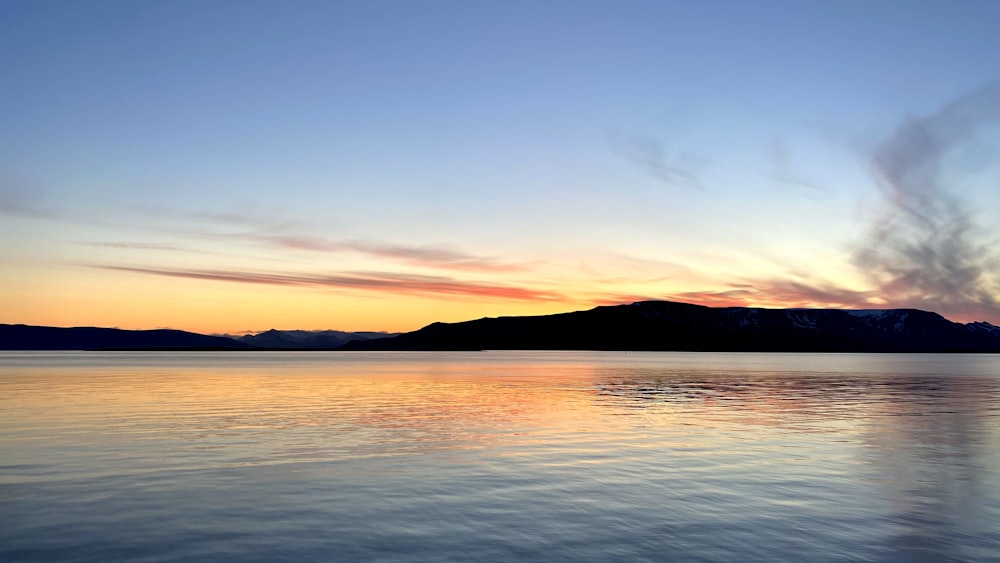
491	456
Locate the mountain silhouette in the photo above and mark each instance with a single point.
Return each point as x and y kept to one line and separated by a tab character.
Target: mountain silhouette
26	337
666	326
306	339
646	325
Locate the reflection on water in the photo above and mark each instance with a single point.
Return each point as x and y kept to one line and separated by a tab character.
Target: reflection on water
527	456
929	443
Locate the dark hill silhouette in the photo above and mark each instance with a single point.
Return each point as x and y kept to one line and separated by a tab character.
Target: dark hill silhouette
647	325
664	325
306	339
26	337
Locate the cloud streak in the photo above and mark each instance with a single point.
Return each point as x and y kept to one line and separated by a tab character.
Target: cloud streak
289	235
383	282
729	298
653	157
424	256
770	293
137	245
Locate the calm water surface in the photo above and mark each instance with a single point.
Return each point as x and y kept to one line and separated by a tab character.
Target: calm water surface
528	456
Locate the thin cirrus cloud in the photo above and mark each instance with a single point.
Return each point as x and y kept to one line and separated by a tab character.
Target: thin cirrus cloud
283	234
723	298
22	197
622	299
137	245
652	156
765	292
383	282
201	218
425	256
793	293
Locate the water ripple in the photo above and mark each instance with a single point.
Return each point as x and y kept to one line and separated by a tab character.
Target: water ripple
499	456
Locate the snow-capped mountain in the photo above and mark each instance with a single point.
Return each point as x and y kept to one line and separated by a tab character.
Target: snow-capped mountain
303	339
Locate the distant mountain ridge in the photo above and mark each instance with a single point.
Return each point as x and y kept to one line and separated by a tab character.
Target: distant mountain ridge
646	325
306	339
27	337
672	326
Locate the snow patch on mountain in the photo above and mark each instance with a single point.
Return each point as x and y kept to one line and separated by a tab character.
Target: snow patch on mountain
983	327
745	316
869	313
800	318
881	317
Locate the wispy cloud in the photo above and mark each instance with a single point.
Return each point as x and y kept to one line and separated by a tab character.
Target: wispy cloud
22	197
794	293
784	169
416	255
624	299
720	298
204	220
760	293
137	245
926	248
384	282
670	167
292	235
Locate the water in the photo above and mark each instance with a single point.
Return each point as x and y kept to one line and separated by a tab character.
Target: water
528	456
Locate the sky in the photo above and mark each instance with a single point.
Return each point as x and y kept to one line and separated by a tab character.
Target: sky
235	166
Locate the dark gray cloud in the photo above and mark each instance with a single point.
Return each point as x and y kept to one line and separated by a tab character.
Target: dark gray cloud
930	244
929	247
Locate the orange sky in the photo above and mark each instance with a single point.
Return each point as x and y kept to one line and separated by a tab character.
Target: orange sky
243	169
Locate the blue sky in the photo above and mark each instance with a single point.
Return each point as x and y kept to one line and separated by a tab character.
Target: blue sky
242	165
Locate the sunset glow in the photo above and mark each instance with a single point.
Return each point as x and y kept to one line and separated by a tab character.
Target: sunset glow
227	166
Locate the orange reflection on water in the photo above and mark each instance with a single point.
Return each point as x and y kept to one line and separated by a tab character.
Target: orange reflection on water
266	407
252	408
